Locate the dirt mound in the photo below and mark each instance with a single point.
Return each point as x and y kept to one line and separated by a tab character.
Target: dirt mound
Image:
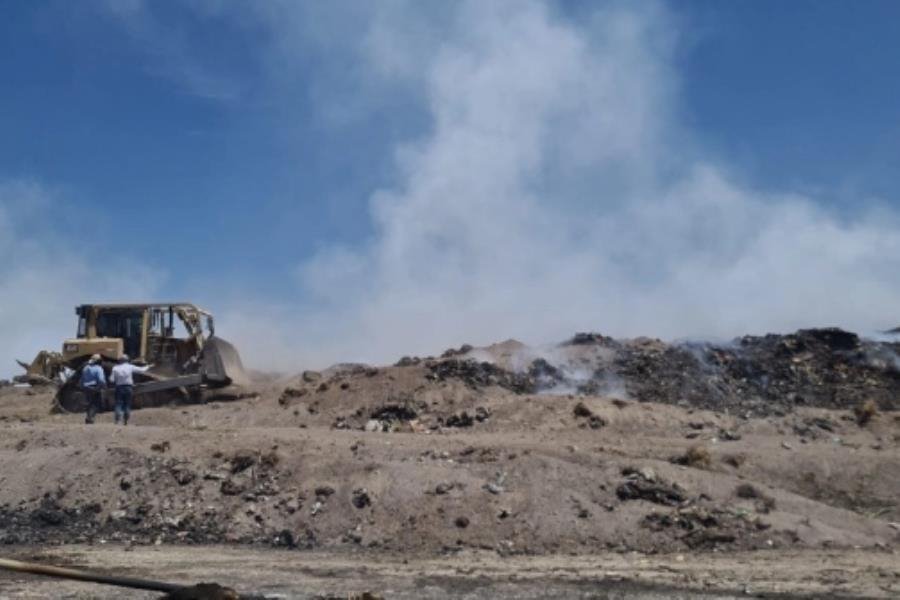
705	448
524	474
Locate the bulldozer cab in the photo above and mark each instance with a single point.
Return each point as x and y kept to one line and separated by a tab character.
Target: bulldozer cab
125	324
168	335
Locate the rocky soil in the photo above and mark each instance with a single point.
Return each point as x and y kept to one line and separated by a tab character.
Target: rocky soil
594	446
472	574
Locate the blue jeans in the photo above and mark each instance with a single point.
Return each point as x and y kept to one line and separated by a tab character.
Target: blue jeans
93	397
124	394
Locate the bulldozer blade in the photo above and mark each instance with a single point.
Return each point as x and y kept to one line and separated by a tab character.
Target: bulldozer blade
221	363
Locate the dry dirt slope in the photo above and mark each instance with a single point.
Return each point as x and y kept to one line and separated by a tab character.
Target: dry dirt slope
442	457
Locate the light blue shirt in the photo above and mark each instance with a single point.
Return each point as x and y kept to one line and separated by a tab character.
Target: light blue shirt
122	374
93	376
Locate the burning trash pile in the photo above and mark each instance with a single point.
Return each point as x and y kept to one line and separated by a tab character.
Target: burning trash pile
752	376
827	368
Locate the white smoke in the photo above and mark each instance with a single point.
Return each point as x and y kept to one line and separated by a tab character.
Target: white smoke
556	191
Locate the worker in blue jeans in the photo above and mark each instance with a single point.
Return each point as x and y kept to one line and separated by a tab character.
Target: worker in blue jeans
92	382
122	377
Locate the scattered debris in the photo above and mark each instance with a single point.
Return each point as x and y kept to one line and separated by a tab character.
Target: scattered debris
747	491
464	419
735	460
230	487
594	421
408	361
182	475
242	460
545	375
394	412
865	412
638	486
443	488
695	456
290	393
729	435
700	528
324	491
481	374
161	446
311	376
496	487
583	339
464	349
361	498
581	410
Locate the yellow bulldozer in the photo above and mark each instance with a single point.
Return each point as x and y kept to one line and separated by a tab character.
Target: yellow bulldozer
178	339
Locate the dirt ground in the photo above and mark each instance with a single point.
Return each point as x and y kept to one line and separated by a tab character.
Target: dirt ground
410	481
474	575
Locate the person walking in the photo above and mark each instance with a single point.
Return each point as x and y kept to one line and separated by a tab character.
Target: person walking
122	377
93	380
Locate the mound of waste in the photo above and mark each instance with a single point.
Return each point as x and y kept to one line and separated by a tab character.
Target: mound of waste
480	374
827	368
753	375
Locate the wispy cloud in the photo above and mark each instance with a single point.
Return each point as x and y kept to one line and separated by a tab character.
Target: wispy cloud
45	274
170	51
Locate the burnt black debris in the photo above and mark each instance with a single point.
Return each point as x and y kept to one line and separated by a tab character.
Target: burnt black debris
706	528
464	349
761	375
589	338
545	375
481	374
146	508
752	376
408	361
641	486
593	421
361	498
394	412
464	419
242	460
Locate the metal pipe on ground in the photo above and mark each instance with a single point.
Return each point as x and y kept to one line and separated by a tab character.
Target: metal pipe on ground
173	591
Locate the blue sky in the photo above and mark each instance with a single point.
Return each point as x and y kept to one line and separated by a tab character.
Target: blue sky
316	163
